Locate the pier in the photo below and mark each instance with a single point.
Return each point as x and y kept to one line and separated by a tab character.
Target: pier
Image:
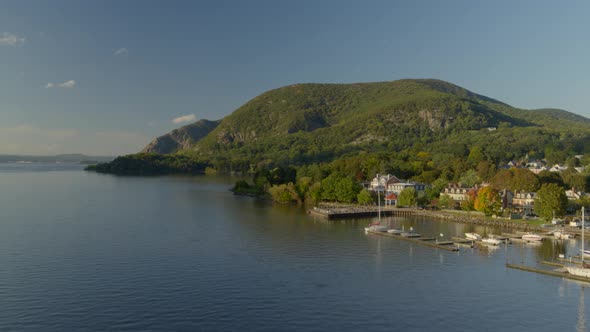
349	212
555	273
425	241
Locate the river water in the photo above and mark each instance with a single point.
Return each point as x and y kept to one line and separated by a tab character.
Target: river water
82	251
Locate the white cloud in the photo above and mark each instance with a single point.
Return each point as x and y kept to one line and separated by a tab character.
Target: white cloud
185	118
10	39
121	51
65	85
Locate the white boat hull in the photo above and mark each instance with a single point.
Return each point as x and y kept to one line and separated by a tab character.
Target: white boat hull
473	236
395	231
562	236
532	237
376	228
493	242
579	271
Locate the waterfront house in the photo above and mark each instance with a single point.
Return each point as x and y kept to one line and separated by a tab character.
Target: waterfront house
573	194
459	194
523	201
397	187
558	168
391	199
380	182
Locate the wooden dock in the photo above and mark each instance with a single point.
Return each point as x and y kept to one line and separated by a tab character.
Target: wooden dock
425	241
554	273
342	213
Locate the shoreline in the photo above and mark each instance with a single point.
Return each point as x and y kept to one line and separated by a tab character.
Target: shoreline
337	211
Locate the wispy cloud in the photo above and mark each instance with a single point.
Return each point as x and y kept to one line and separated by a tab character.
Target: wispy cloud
9	39
65	85
185	118
121	51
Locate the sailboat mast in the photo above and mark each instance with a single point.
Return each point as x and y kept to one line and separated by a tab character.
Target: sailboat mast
379	204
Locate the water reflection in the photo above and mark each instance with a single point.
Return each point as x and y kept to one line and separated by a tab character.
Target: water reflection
581	326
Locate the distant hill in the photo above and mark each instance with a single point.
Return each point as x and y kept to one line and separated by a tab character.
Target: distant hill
63	158
434	123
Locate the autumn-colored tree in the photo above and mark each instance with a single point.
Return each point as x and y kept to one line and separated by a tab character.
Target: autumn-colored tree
488	201
469	204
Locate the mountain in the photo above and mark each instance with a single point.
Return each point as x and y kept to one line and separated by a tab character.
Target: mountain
410	126
181	138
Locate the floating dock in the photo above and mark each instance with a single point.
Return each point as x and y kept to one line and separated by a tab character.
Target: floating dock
555	273
425	241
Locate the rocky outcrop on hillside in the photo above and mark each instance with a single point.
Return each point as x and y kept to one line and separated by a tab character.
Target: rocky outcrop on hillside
181	138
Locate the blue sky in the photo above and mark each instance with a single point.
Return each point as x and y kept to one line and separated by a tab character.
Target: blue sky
105	77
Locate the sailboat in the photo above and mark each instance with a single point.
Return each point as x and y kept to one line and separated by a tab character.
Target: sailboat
582	271
376	226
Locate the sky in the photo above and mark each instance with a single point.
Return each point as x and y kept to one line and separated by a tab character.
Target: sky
106	77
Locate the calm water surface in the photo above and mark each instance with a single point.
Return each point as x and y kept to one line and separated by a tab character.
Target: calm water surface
88	252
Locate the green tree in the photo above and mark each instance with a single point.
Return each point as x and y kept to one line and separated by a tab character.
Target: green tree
328	192
470	178
524	180
550	198
365	197
346	190
502	180
550	177
407	197
433	191
488	201
284	193
314	194
475	156
486	170
446	202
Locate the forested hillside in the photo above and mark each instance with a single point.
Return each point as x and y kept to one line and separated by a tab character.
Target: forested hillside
416	128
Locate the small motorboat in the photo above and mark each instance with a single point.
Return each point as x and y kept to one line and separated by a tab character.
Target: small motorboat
561	235
491	240
376	228
395	231
530	237
410	234
473	236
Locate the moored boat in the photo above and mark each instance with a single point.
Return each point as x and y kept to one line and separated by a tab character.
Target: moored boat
491	240
584	269
376	228
473	236
530	237
562	235
395	231
410	234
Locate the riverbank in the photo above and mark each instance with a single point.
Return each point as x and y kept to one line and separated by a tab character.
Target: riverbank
342	211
